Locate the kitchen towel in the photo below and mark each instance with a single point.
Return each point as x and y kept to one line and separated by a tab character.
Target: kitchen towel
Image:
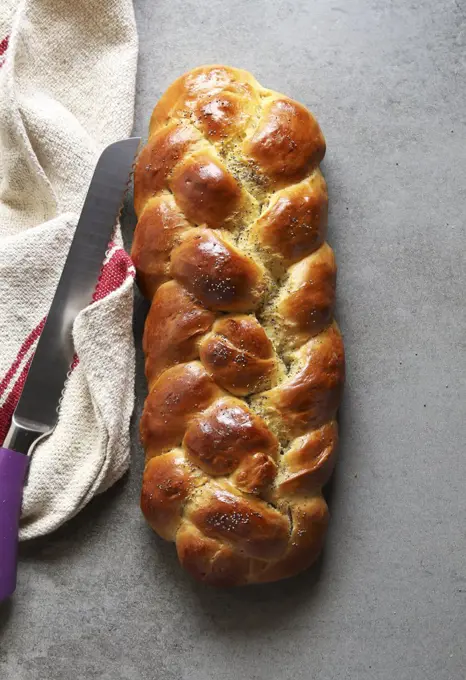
67	81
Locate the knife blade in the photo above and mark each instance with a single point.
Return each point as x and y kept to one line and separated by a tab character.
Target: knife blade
36	413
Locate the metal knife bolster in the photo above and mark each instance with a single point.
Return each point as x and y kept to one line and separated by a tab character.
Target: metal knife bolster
23	434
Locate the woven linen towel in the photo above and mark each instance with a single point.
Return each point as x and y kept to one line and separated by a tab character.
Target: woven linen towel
67	78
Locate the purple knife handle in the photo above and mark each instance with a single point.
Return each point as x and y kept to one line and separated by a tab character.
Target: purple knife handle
13	467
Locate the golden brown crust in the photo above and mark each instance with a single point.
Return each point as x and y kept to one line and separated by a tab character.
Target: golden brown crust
167	484
227	95
230	249
158	230
306	306
309	462
309	521
311	395
178	394
253	527
294	224
157	160
239	355
221	437
205	190
210	560
255	474
287	140
175	322
217	273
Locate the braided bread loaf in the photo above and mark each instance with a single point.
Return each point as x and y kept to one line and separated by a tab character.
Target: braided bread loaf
244	363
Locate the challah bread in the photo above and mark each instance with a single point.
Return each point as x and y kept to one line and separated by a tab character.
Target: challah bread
244	362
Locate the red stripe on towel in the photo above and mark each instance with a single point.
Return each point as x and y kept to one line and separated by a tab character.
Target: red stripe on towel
3	49
25	347
114	274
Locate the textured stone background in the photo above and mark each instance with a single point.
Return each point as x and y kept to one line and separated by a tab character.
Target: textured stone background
103	597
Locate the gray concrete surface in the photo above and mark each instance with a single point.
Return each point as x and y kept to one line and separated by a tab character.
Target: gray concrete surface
103	597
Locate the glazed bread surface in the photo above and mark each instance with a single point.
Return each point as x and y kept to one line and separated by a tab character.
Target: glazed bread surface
244	362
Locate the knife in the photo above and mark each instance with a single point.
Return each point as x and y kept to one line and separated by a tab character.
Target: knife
36	413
